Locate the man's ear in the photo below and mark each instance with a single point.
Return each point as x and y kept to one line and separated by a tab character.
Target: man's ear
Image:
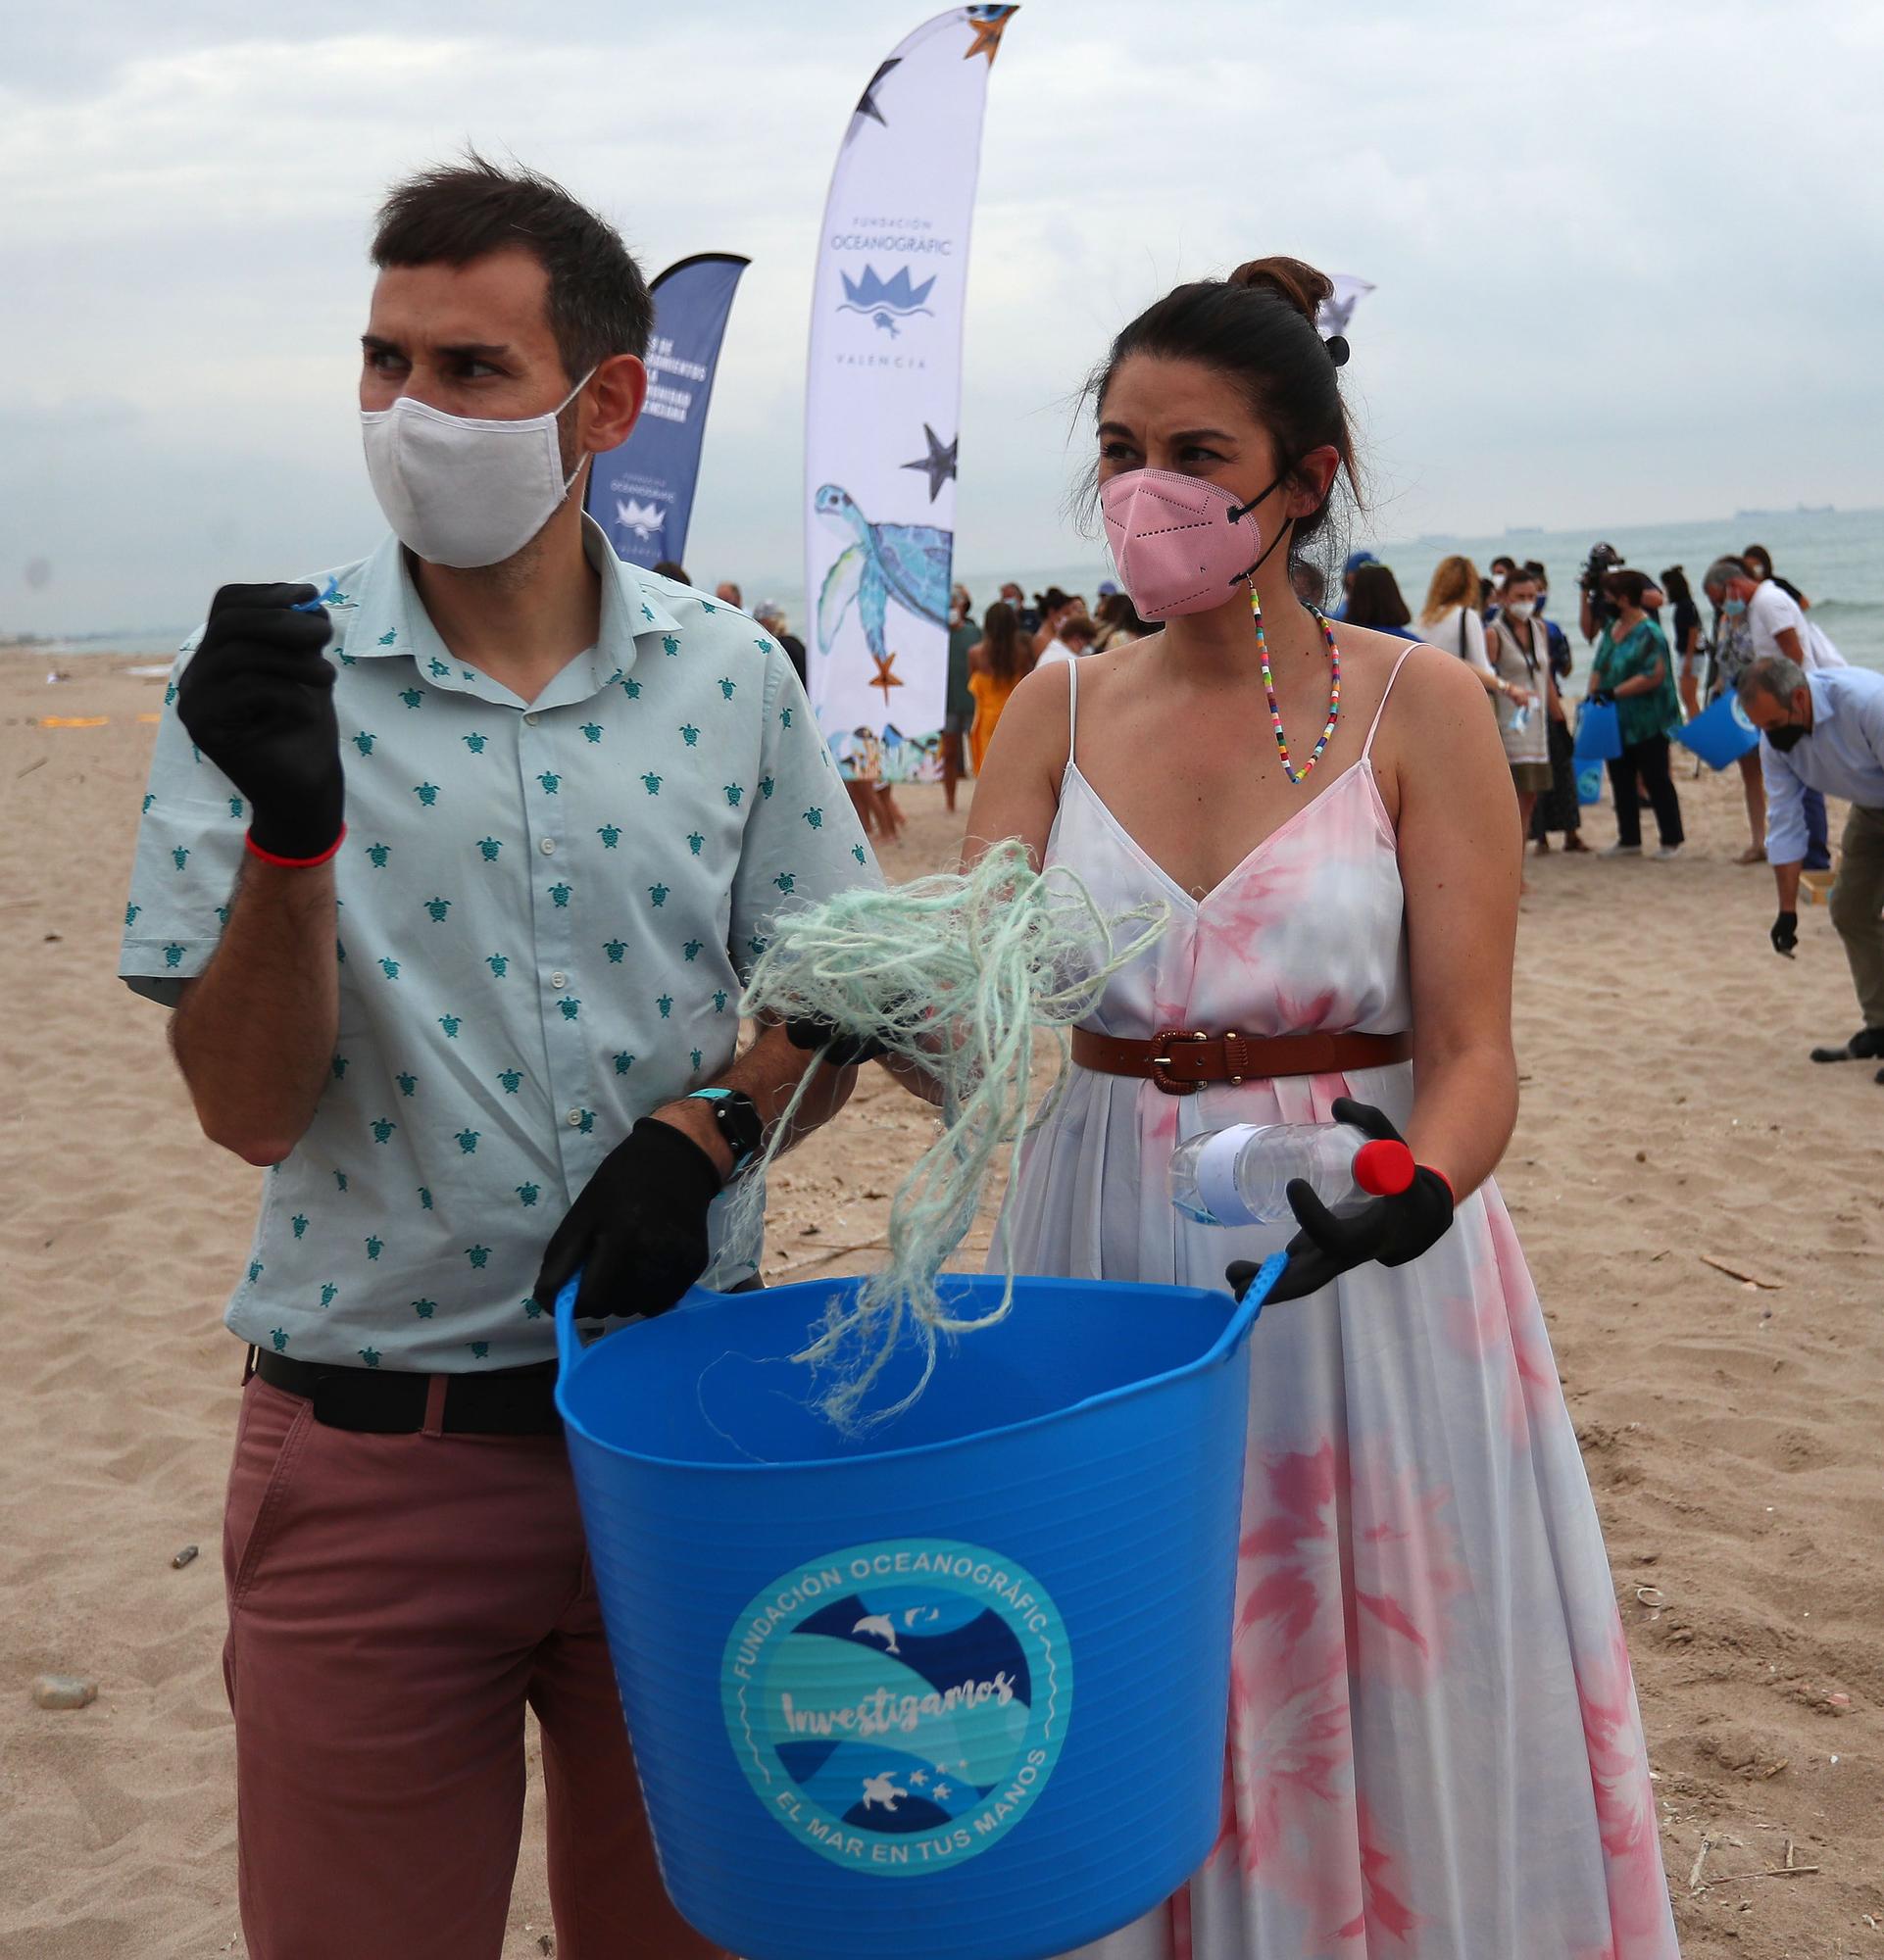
618	389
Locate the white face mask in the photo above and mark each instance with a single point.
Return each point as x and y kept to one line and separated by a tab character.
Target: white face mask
461	491
1520	609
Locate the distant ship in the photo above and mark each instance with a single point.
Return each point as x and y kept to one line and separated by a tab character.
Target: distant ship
1798	511
1523	530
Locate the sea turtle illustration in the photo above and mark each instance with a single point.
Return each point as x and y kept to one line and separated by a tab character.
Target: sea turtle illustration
389	638
734	791
328	1294
370	1355
375	1246
382	1129
340	1180
425	1199
173	954
763	645
391	968
532	1308
615	948
610	834
784	717
726	687
364	742
426	793
694	1057
451	1024
551	782
658	894
720	1000
406	1083
882	1789
907	563
652	783
766	787
694	842
223	918
476	744
757	944
647	610
491	847
235	806
584	1122
570	1008
438	908
623	1062
339	1067
181	855
669	645
437	668
255	1271
785	881
425	1308
130	915
689	734
559	893
857	851
480	1349
692	951
631	688
814	817
665	1004
593	730
879	1626
300	1224
413	697
512	1080
499	964
279	1338
479	1256
707	606
378	853
467	1141
528	1194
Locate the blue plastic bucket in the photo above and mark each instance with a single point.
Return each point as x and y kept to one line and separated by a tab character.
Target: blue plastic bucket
952	1690
1720	734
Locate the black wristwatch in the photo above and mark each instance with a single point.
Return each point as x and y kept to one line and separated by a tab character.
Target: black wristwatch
735	1115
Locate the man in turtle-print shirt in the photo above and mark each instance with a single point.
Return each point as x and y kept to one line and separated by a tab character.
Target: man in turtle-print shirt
452	864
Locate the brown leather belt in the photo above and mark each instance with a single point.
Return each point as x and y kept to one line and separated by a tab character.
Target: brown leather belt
1181	1060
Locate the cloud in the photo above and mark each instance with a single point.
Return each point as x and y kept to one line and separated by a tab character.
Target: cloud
1623	256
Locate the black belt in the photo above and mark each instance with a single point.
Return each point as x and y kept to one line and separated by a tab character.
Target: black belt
389	1401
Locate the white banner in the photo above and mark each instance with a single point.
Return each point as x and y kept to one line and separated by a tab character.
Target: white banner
884	391
1337	309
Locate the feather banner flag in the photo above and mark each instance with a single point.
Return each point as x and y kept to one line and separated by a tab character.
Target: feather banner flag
883	392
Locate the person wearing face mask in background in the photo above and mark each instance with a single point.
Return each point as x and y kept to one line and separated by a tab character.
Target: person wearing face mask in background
1518	658
451	865
1558	807
1327	816
1775	627
1632	669
958	704
1686	639
1825	731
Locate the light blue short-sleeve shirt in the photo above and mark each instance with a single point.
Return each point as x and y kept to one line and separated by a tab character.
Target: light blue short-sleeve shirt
545	914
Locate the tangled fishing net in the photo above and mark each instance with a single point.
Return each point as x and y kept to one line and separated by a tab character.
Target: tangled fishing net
959	975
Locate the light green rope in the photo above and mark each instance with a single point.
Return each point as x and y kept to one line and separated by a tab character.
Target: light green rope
957	974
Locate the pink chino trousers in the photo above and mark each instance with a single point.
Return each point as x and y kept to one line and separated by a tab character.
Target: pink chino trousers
395	1602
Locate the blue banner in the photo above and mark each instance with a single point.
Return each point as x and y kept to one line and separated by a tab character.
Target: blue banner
642	493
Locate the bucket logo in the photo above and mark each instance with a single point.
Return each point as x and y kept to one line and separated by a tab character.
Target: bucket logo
901	1705
886	302
643	519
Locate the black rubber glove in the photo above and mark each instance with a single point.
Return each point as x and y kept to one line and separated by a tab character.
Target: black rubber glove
1390	1230
1785	933
841	1050
638	1231
1604	697
257	697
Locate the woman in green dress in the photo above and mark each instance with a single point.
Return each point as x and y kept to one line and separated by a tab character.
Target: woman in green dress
1633	669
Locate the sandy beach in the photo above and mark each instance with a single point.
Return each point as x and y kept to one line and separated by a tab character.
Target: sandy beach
1701	1206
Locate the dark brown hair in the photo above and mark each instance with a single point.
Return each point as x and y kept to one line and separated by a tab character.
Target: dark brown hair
598	301
1625	588
1258	329
1374	599
1000	635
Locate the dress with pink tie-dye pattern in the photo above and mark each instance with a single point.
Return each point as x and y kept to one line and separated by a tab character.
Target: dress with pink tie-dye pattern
1434	1748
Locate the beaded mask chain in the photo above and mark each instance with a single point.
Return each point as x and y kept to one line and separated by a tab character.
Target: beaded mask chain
1301	775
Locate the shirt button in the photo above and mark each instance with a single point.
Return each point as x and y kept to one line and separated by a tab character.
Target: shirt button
530	720
548	847
559	979
573	1119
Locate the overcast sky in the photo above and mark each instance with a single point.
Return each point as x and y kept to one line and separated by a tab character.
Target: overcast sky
1629	258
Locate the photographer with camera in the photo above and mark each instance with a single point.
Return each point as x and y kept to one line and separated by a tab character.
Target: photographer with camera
1598	610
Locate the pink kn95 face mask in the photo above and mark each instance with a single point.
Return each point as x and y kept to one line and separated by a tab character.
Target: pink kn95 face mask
1180	543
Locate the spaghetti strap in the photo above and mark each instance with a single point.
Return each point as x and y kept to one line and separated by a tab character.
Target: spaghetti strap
1367	751
1073	707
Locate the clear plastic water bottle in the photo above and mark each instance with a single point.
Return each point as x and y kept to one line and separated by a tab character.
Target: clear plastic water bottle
1241	1175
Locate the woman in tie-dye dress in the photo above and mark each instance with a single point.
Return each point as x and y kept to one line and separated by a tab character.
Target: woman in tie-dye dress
1435	1749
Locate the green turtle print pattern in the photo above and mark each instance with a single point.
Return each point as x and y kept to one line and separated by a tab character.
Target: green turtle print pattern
549	912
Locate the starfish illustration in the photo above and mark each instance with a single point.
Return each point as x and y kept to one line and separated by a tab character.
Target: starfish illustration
988	24
885	679
939	464
866	102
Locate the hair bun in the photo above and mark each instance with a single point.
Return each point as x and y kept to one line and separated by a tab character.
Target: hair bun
1305	290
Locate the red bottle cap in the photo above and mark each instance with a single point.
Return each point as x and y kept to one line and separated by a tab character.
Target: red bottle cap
1383	1169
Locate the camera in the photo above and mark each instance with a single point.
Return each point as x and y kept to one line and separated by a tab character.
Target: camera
1603	559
